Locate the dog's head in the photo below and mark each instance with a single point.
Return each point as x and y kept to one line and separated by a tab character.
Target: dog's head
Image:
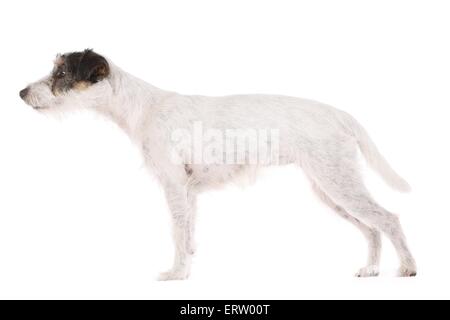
72	80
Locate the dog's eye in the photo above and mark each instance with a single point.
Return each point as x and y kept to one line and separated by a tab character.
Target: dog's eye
61	74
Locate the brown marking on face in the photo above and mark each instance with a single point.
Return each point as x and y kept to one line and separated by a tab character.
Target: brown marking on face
81	85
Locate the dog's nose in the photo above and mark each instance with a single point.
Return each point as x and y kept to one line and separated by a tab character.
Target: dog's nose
23	93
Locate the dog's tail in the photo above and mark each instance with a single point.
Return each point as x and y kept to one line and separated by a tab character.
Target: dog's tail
374	158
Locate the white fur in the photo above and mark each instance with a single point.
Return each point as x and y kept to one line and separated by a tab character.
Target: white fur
319	138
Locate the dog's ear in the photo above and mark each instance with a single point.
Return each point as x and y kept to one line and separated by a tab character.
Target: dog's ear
92	67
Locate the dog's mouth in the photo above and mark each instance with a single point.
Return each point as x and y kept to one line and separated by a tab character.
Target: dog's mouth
32	105
39	108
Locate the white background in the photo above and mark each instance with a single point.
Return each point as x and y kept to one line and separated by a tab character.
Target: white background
81	218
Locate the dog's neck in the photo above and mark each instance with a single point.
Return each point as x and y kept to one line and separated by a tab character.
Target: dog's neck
132	102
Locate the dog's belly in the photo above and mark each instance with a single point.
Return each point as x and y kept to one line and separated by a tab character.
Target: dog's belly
215	176
207	176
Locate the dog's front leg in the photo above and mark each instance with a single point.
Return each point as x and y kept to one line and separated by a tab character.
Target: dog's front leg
177	198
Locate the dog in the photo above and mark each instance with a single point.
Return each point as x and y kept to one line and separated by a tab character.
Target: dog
321	139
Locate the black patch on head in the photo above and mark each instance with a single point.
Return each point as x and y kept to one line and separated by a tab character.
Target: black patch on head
90	66
86	66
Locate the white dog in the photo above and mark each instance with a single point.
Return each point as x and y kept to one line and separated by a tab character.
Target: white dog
319	138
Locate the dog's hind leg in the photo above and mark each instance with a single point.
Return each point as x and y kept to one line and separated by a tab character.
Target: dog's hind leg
336	173
372	235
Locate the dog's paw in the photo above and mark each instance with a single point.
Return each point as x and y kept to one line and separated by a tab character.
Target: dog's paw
173	275
369	271
407	272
